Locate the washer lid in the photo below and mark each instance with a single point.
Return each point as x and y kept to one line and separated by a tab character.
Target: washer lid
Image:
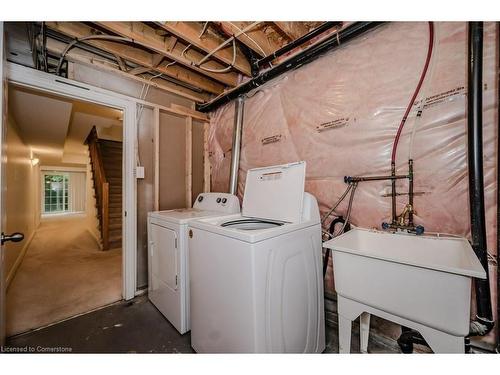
275	193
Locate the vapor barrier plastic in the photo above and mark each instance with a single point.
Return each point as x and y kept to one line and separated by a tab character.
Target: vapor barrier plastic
341	113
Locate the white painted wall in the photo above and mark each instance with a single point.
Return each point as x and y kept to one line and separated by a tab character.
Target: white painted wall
21	198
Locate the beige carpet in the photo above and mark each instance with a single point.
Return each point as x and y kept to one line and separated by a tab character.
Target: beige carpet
63	274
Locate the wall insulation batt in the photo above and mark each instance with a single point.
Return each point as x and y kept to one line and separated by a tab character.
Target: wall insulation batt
341	113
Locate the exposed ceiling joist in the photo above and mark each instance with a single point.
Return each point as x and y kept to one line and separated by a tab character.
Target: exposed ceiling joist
121	63
191	31
255	38
147	37
87	58
293	30
137	56
139	70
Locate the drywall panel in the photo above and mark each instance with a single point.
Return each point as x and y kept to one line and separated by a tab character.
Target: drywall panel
197	160
172	162
145	192
122	85
20	195
341	112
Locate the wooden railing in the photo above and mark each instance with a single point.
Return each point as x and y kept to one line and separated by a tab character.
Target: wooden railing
101	185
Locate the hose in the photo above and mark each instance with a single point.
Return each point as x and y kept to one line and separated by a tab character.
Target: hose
344	194
331	232
417	89
345	227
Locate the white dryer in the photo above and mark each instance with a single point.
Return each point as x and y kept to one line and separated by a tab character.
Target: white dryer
168	254
256	277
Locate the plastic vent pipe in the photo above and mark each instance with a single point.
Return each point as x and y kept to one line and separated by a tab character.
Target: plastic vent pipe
475	163
236	149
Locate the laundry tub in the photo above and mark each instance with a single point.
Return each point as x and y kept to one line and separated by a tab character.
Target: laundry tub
422	282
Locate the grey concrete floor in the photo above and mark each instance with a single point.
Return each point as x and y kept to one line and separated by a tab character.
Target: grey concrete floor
136	327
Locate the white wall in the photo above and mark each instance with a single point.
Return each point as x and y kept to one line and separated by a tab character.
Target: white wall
21	196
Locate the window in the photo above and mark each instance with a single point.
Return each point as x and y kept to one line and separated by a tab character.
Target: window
56	193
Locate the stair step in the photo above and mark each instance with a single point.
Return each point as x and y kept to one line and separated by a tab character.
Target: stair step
115	244
113	149
110	144
115	226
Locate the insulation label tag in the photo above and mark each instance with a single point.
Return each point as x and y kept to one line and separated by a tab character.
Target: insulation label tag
271	139
334	124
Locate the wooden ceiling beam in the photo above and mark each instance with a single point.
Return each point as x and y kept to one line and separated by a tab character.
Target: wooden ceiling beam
190	32
147	37
255	39
137	56
293	30
138	70
86	58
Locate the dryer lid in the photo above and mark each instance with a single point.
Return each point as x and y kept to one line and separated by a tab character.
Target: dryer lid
275	192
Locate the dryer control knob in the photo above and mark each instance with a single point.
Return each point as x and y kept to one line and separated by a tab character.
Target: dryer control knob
200	198
218	200
224	200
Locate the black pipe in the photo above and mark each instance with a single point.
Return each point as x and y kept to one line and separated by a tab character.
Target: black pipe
475	163
306	56
498	193
297	42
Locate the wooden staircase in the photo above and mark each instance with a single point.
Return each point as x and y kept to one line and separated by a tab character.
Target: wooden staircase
106	162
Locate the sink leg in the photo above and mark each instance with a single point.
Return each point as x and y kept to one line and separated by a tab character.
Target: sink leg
441	342
345	325
364	328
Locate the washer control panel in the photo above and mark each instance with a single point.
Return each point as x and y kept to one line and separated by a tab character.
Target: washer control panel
219	202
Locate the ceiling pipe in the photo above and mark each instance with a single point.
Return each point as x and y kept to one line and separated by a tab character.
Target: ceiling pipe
476	175
304	57
297	42
239	107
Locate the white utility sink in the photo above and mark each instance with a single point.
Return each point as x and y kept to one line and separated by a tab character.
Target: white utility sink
422	282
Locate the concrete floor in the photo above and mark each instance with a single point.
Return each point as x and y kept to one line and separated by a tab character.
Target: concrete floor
136	327
64	273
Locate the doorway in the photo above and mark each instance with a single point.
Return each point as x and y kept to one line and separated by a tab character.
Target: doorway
60	152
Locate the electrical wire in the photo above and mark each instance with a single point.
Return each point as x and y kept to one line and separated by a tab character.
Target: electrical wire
89	37
205	26
228	68
244	32
419	85
229	40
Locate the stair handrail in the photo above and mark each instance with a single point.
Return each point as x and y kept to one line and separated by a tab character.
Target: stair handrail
101	184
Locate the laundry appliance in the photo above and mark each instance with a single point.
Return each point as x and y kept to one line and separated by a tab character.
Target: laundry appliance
256	277
168	253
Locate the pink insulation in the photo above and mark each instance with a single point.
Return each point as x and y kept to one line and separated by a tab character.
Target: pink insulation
341	113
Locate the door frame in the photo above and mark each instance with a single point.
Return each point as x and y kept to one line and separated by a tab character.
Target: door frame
41	81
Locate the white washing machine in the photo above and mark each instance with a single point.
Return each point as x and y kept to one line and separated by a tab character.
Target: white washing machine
168	254
256	277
